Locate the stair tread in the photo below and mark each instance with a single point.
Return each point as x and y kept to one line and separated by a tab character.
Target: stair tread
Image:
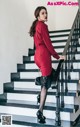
33	105
36	91
71	106
49	106
32	54
32	121
59	31
58	46
62	40
33	80
61	35
54	61
56	31
37	70
31	51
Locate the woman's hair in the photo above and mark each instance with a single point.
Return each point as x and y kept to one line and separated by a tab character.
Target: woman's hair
36	14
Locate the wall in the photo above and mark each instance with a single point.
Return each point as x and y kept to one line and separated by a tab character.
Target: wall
16	17
13	37
65	15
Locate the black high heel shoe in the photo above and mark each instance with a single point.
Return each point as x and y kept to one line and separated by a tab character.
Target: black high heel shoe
40	117
38	98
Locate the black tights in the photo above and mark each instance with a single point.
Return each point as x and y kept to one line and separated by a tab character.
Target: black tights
45	82
43	96
45	85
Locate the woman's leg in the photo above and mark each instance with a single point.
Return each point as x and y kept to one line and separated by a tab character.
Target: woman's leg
42	98
45	85
43	95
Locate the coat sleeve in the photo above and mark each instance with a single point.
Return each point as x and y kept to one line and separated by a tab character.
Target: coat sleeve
47	41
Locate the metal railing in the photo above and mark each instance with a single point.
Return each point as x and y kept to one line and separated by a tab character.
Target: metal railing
67	65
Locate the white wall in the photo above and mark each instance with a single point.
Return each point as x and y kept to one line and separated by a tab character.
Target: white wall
16	17
65	15
13	37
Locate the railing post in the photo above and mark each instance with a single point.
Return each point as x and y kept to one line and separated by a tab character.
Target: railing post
79	29
68	60
66	87
62	88
58	119
72	55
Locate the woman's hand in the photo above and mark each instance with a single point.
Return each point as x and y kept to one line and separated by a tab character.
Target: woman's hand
62	58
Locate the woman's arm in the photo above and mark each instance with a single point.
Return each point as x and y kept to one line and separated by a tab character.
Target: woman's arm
47	41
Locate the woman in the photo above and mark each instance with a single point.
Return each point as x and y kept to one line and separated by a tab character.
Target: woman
43	52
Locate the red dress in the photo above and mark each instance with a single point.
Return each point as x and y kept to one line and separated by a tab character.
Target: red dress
44	49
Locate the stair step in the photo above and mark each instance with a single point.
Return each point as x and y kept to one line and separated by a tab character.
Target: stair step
75	75
52	106
32	65
31	51
57	61
51	93
60	31
16	77
62	41
33	105
30	94
58	38
79	40
57	43
37	70
33	75
77	57
15	125
60	53
29	75
22	121
3	98
16	87
31	85
62	35
58	49
67	116
78	48
68	99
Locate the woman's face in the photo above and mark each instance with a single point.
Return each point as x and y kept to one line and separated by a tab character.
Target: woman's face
43	15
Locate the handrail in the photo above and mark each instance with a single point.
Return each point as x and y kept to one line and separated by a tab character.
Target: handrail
79	4
70	35
59	69
66	46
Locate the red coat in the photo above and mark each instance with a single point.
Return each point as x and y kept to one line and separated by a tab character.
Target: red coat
44	49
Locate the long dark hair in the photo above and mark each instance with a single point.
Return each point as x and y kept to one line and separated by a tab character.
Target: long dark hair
36	14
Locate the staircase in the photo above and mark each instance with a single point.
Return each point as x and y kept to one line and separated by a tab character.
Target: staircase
20	95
